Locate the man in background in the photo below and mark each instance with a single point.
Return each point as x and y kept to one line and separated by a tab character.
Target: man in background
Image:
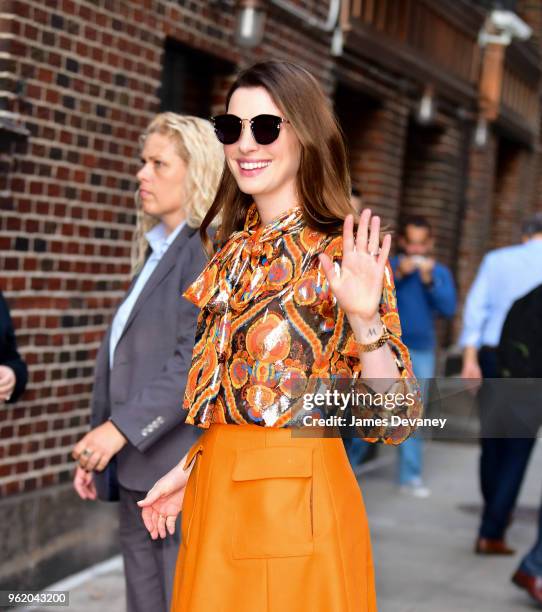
504	275
425	290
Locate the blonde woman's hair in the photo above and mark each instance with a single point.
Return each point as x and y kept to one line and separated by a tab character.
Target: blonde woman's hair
203	155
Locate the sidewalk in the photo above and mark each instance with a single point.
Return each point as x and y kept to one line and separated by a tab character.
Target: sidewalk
422	548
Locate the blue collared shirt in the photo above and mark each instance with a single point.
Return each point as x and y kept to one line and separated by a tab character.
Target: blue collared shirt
159	242
504	276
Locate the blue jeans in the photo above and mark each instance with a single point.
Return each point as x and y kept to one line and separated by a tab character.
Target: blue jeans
356	449
411	450
532	562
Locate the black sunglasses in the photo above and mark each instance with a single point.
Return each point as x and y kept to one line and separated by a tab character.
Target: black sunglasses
265	128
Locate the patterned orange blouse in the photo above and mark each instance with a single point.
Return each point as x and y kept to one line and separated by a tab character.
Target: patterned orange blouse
270	330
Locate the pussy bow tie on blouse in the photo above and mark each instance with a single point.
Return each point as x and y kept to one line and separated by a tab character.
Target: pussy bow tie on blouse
236	274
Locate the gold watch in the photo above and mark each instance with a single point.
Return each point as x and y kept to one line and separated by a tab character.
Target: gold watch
372	346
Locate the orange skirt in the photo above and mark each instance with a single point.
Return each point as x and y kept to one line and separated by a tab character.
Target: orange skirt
272	522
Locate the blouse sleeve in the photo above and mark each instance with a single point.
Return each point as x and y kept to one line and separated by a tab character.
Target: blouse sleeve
388	416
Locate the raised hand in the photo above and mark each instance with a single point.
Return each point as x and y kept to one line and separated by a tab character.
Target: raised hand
358	287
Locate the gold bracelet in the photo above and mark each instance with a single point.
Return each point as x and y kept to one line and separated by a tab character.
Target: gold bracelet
366	348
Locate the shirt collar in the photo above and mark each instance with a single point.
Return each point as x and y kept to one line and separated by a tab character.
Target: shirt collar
158	239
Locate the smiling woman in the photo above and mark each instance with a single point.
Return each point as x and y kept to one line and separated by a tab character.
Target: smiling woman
274	521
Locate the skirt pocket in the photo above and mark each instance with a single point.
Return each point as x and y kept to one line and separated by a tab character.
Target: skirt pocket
272	503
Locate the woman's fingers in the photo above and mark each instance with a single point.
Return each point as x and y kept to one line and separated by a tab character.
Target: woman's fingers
92	460
88	490
6	388
152	496
78	486
374	236
146	515
162	526
348	234
384	250
363	230
78	449
83	483
170	524
154	521
91	490
83	460
102	463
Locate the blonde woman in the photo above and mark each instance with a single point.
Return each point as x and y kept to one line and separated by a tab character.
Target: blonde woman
143	361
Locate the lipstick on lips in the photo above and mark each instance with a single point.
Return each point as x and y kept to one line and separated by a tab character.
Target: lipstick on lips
252	167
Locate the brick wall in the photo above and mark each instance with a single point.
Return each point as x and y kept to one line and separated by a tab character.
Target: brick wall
375	132
90	74
514	183
431	181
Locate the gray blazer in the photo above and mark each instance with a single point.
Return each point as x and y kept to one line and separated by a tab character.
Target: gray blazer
142	394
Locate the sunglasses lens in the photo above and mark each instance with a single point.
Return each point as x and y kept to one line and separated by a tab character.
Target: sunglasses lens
266	128
227	128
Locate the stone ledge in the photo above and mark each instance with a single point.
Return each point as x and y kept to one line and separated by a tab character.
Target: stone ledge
49	534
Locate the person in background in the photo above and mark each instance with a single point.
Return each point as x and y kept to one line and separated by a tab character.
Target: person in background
528	575
504	275
519	363
425	290
137	419
13	370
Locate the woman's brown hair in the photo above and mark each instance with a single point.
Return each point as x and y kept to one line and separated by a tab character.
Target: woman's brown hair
323	179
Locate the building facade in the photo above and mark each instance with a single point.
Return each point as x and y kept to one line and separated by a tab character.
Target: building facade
436	124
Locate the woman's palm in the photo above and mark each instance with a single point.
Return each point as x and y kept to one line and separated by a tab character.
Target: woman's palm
358	287
168	505
164	502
